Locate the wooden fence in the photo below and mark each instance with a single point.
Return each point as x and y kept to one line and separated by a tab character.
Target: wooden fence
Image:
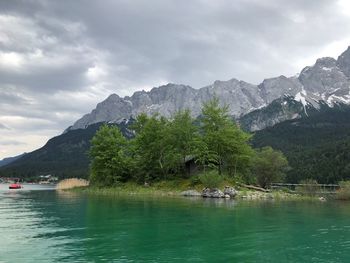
316	188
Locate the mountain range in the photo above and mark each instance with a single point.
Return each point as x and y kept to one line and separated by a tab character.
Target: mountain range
326	82
312	92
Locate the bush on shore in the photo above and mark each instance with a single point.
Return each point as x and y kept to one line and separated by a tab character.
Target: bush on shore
211	179
269	166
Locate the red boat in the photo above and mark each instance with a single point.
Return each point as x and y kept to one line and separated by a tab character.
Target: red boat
15	186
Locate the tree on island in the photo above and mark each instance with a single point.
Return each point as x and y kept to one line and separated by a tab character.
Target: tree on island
161	146
109	159
225	139
184	137
150	148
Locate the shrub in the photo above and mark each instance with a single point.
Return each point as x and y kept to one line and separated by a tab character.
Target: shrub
211	179
194	180
246	178
344	192
310	187
269	166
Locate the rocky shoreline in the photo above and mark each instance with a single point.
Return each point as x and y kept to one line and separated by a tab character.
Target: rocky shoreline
232	193
225	193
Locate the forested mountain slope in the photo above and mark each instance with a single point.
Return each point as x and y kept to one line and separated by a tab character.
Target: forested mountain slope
316	146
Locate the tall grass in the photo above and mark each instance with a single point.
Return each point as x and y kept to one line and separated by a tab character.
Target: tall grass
344	192
309	187
71	183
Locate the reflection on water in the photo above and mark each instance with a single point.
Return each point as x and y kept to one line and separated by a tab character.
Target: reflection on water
57	226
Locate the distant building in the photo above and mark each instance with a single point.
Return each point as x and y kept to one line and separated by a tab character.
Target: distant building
47	179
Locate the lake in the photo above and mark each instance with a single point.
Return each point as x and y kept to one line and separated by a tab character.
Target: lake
38	225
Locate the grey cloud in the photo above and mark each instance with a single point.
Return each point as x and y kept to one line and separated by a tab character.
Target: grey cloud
176	38
3	127
140	44
11	142
44	80
189	42
9	97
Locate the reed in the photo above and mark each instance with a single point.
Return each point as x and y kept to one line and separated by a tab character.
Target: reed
71	183
344	192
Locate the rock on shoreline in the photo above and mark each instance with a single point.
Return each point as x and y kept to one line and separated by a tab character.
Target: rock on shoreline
213	193
229	192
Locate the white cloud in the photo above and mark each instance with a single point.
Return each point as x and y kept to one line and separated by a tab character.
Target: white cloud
11	60
95	73
344	6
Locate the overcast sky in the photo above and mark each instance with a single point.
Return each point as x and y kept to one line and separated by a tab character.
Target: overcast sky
59	58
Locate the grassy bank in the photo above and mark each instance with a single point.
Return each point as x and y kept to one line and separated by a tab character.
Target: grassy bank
175	187
161	188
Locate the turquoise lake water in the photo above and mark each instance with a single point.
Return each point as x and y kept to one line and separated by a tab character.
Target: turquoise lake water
49	226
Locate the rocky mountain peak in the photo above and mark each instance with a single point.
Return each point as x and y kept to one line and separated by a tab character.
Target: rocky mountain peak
324	77
111	101
326	62
343	62
273	88
112	97
169	88
225	83
345	54
112	108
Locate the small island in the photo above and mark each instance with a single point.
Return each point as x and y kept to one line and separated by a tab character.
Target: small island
210	156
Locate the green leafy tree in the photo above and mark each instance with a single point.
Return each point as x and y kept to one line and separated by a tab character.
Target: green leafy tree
183	137
205	157
269	166
224	138
110	163
151	147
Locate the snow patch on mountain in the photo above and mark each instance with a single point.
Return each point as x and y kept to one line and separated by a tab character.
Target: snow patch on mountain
301	97
327	69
